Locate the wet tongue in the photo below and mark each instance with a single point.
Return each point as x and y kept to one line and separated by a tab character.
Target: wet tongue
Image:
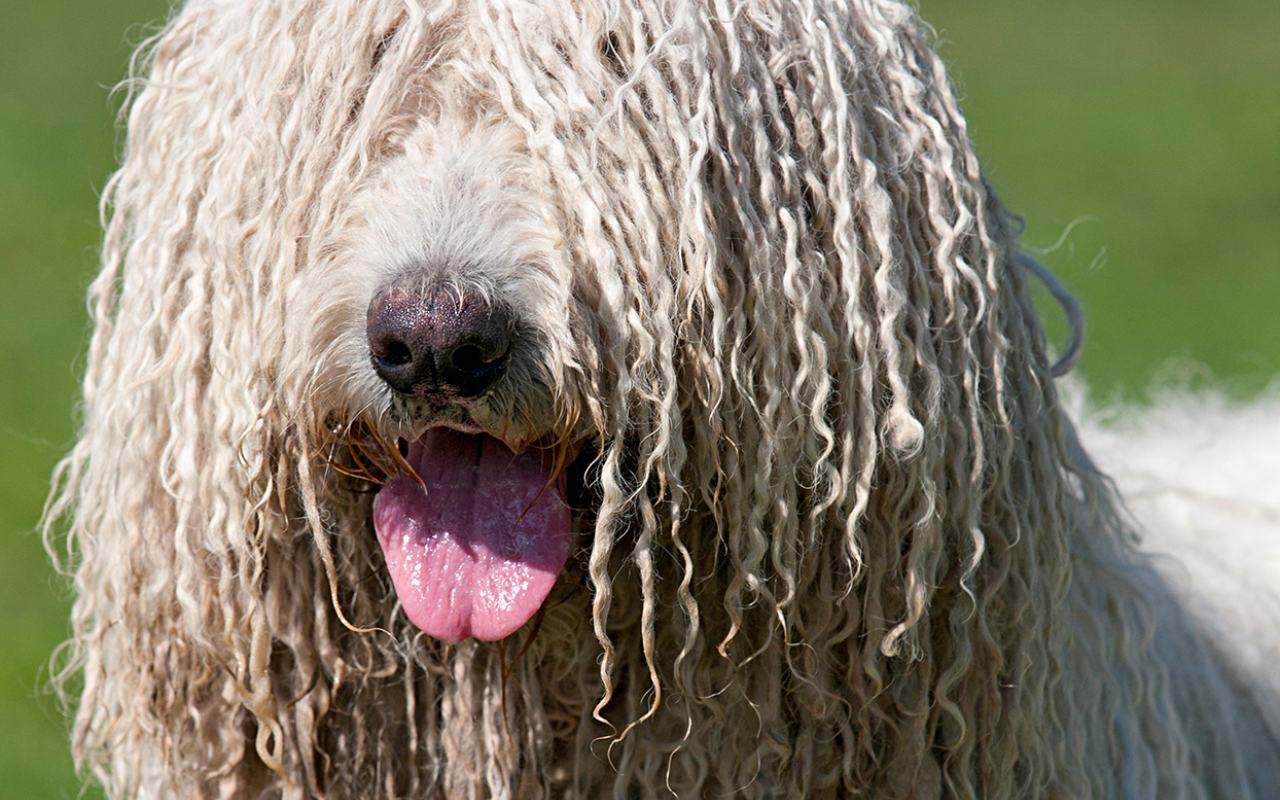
477	554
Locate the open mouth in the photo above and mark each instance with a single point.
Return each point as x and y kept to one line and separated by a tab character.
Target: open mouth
474	541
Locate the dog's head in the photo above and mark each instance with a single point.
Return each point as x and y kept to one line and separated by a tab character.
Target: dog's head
702	314
565	269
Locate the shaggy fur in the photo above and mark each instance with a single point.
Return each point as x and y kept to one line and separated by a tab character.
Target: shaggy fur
834	535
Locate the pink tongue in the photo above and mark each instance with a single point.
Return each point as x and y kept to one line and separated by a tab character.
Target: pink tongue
478	553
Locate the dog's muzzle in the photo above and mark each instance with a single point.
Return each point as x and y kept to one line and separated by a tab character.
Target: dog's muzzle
474	534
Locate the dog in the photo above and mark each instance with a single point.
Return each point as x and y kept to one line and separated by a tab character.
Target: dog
514	399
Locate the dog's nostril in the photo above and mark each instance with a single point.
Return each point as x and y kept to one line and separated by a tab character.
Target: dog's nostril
395	354
469	358
472	368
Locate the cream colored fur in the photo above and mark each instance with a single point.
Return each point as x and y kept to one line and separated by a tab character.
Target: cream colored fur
841	539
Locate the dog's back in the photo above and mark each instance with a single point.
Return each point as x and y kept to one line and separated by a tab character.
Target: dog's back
1198	474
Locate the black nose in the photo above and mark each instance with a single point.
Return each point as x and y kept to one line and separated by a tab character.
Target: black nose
438	342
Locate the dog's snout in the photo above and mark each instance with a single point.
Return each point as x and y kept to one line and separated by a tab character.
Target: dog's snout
445	343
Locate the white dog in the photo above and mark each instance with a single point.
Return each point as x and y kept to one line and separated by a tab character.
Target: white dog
523	399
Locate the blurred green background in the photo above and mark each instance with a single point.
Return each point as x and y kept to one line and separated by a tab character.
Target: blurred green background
1148	131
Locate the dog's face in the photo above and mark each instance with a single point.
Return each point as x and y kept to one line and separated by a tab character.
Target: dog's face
733	297
439	320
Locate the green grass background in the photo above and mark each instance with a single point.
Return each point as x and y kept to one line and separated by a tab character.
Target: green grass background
1154	127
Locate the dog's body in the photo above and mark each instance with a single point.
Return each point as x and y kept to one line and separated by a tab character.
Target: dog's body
718	450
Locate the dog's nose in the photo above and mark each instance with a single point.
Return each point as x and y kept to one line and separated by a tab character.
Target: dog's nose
441	342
